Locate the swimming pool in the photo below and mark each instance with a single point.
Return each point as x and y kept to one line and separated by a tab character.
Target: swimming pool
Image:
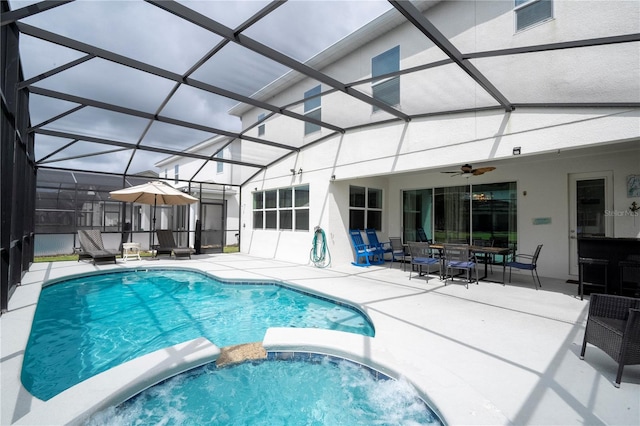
303	389
86	325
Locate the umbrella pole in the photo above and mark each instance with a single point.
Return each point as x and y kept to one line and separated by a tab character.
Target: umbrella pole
153	227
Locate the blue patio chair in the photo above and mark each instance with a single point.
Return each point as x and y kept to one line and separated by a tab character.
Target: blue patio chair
528	262
365	255
421	236
383	248
422	255
460	257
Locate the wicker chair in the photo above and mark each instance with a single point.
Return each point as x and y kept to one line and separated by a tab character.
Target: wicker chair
613	325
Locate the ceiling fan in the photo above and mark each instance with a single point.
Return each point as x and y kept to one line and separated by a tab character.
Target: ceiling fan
468	169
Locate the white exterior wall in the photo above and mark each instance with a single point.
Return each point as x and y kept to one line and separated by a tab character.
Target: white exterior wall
543	174
397	156
545	180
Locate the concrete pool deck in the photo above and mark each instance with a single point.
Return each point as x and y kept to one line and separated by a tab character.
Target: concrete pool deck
490	354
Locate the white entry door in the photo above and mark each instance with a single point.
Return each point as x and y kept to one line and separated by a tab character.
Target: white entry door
590	197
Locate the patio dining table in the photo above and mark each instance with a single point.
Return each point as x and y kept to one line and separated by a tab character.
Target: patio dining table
504	251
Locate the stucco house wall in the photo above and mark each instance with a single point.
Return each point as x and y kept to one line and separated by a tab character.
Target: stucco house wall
555	142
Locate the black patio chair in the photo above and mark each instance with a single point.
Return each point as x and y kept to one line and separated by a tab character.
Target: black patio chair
398	250
528	262
421	236
485	257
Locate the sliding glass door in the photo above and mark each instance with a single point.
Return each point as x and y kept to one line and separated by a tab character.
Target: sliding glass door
463	213
452	210
417	213
495	213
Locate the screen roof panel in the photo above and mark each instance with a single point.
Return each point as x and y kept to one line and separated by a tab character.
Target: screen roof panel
105	81
178	138
303	29
99	123
134	29
174	75
239	70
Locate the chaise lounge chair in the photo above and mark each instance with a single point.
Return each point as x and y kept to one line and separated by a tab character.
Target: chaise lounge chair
93	248
167	245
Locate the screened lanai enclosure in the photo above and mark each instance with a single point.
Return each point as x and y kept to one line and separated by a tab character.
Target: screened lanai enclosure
67	201
100	95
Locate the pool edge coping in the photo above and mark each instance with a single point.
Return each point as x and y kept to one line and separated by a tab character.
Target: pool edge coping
123	382
481	411
114	386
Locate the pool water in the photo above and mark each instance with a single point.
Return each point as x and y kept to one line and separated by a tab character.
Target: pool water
86	325
275	392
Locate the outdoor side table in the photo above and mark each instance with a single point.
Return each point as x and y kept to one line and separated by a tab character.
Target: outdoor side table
131	250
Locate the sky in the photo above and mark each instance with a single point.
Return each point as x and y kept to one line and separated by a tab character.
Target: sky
141	31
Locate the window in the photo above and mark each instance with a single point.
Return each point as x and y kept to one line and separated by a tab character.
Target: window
365	208
312	109
258	210
166	173
531	12
301	207
176	173
285	204
271	211
219	164
261	126
387	89
285	209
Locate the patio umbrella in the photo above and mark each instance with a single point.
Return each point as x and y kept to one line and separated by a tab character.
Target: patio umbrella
153	193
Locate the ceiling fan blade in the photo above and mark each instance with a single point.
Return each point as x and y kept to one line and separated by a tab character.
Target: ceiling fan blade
481	170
